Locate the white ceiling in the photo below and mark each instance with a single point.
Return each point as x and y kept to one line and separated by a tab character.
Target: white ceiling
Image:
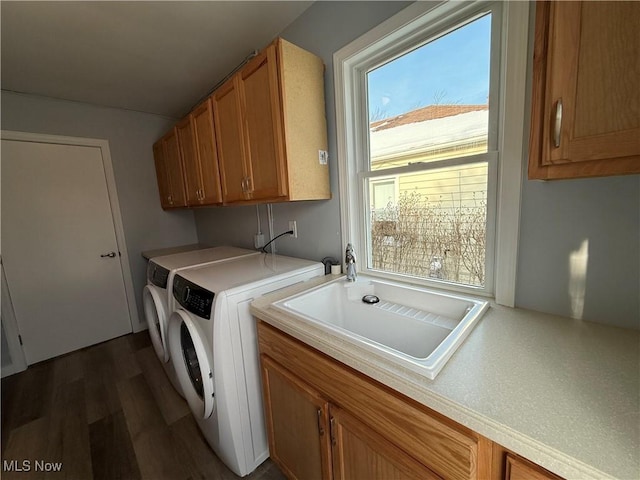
155	57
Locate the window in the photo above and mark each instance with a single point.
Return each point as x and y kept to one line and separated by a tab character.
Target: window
425	104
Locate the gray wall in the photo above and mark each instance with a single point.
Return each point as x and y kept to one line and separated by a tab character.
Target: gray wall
556	216
130	136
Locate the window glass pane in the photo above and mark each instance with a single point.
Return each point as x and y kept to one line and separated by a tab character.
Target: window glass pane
435	228
433	102
383	193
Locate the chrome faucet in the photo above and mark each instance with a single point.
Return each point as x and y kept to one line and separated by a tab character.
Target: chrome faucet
350	260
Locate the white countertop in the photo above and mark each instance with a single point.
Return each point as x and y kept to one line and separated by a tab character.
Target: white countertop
563	393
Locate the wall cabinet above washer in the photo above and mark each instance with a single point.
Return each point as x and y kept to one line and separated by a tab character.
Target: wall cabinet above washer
261	137
199	156
270	119
166	153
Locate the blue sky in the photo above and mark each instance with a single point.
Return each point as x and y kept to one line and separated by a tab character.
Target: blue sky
451	69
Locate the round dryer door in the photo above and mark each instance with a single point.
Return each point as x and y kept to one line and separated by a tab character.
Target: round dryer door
156	315
192	364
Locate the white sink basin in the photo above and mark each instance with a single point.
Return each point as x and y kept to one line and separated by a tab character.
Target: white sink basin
414	327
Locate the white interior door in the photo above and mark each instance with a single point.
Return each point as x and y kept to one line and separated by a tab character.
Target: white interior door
57	226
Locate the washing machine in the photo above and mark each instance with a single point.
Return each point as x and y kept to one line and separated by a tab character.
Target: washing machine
213	341
156	294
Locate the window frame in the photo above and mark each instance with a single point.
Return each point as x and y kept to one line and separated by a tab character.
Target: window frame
411	27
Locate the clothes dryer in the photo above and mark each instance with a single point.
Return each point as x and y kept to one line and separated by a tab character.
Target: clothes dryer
156	294
213	341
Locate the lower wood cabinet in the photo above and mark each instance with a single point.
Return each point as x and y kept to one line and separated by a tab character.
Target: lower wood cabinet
297	416
359	452
355	427
517	468
327	421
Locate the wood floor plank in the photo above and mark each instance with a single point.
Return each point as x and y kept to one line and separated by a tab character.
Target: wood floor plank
157	456
68	368
26	397
150	435
194	452
139	340
172	406
112	453
139	406
68	433
27	443
268	471
123	357
100	379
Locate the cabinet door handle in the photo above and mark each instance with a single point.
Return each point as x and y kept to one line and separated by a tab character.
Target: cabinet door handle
244	184
170	198
249	188
557	125
110	255
320	426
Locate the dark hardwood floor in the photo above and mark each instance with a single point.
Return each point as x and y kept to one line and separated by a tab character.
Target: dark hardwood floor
105	412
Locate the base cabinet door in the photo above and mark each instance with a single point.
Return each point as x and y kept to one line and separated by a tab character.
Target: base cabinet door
517	468
297	423
359	452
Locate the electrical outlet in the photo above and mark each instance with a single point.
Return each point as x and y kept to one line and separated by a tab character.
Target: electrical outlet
293	227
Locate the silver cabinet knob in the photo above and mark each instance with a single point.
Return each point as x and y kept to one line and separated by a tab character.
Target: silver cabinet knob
110	255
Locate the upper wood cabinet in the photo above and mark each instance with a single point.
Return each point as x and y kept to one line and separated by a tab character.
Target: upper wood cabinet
261	137
189	156
586	90
231	149
166	152
199	156
270	119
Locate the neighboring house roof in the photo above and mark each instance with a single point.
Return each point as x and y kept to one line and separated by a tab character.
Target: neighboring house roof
432	127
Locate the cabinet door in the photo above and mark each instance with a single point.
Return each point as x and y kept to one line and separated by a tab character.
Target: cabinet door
296	419
177	197
230	140
585	119
359	452
161	174
189	155
263	122
202	118
517	468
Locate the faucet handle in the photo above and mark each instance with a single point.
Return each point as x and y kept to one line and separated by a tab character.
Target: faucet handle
350	255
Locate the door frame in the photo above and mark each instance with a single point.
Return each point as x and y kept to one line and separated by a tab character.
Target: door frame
107	165
10	328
